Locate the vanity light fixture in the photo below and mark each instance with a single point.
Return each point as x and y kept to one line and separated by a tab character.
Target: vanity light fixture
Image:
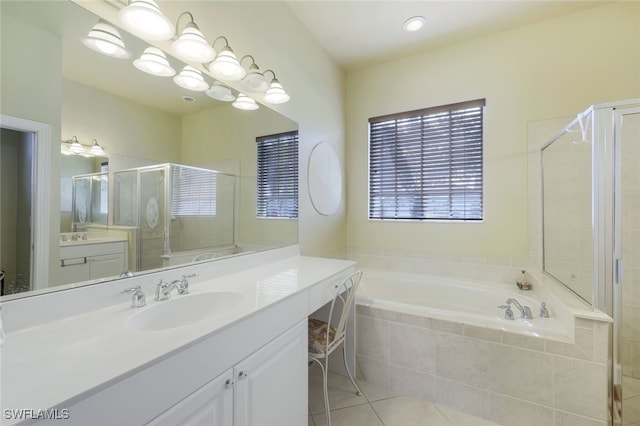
96	150
245	103
414	24
220	92
254	81
191	79
104	38
145	19
153	61
226	65
73	147
275	93
191	44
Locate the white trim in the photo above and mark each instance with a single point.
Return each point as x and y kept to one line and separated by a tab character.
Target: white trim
42	200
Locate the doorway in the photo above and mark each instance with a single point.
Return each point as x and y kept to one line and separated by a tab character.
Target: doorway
34	242
16	207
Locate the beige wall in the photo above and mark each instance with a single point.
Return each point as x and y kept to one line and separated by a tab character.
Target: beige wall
121	126
226	134
272	33
550	69
25	94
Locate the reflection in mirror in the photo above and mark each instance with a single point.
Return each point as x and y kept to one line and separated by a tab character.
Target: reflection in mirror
567	205
141	120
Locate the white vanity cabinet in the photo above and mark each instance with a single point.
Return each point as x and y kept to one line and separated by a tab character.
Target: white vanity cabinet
267	388
211	405
83	262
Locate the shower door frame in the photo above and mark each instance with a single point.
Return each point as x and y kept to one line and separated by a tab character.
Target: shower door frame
615	279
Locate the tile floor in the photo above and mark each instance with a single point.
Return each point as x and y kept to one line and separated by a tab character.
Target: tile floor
377	407
630	401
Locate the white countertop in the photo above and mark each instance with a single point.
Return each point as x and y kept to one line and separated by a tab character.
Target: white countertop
45	365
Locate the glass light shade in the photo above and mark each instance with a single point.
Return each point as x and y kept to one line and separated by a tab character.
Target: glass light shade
221	93
75	147
276	94
191	46
97	150
191	79
245	103
254	81
64	149
104	38
145	19
153	61
226	66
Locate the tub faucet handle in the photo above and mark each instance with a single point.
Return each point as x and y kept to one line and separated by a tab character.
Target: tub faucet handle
526	312
508	313
544	312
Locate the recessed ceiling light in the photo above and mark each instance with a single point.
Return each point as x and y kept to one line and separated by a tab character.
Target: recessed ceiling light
414	24
188	98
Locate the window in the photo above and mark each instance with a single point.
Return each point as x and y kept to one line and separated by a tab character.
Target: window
278	175
427	164
193	192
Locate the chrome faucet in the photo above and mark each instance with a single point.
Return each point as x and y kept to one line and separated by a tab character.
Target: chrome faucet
163	289
182	285
138	299
525	311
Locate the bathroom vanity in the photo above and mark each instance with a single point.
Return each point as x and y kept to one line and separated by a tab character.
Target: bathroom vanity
86	260
231	352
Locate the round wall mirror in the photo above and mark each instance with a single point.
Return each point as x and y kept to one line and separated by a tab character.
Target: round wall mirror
324	179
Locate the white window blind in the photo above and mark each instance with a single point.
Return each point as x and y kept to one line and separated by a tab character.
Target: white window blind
427	164
278	176
193	192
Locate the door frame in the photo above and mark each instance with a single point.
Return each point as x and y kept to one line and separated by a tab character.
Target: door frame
41	197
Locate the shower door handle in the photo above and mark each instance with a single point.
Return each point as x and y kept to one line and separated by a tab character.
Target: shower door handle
618	271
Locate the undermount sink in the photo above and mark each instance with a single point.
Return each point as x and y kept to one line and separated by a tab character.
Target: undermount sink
183	310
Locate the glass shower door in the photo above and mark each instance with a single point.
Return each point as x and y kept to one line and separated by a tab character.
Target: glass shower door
152	217
627	255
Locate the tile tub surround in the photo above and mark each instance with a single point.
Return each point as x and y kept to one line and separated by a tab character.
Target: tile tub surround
489	373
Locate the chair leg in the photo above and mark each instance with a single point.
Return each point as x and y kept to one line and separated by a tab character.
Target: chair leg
346	367
325	391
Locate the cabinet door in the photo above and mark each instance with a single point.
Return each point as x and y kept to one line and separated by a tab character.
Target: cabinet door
107	265
73	270
271	384
211	405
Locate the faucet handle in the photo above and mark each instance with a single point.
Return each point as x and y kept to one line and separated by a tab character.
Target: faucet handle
138	299
526	312
544	312
160	293
508	313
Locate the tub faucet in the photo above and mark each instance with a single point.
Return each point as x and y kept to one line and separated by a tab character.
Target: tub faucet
525	311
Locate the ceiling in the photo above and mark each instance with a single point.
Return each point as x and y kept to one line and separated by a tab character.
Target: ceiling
359	33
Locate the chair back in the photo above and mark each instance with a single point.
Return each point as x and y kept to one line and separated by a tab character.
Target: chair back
345	294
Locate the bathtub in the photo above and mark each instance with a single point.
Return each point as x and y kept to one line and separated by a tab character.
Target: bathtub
456	300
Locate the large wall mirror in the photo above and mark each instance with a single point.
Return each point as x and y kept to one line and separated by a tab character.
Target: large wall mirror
152	131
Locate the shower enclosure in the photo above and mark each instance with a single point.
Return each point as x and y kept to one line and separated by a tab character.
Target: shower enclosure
90	200
177	211
591	231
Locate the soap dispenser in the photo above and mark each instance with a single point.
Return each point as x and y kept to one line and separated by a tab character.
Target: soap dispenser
523	284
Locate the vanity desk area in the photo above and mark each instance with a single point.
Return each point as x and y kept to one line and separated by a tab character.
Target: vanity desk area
233	351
